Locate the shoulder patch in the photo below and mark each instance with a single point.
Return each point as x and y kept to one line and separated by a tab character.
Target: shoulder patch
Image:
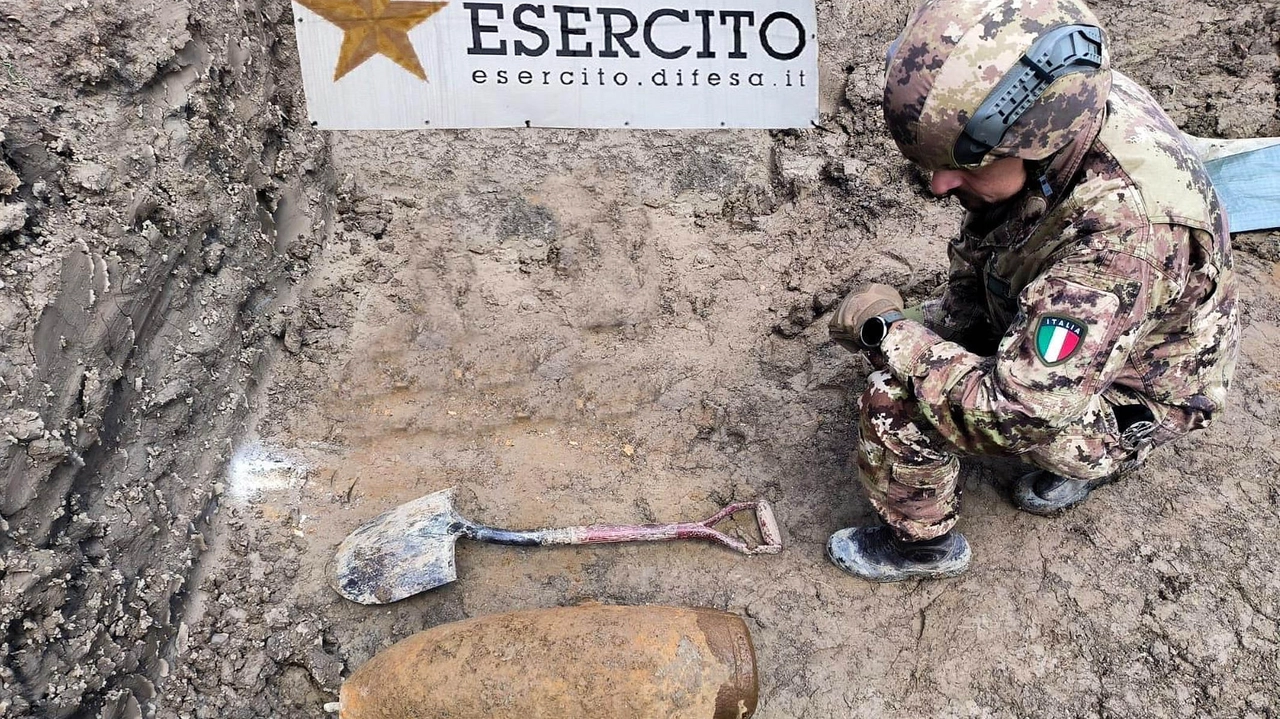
1057	338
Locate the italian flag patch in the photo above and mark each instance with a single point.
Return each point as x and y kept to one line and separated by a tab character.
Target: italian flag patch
1057	338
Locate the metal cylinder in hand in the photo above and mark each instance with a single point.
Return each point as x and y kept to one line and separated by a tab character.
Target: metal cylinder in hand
584	662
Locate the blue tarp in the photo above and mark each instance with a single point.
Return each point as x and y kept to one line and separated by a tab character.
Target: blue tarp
1249	185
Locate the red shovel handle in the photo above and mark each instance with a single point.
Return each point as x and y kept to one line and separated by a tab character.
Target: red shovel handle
770	538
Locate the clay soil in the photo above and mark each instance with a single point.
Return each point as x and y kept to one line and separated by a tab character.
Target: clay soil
572	327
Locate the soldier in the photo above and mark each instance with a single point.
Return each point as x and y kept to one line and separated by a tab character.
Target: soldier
1090	310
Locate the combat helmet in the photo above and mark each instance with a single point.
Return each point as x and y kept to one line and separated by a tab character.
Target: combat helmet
970	81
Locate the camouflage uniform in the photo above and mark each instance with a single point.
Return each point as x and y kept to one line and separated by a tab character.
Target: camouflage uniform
1119	239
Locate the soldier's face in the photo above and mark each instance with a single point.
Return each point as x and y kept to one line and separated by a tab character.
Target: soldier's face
984	187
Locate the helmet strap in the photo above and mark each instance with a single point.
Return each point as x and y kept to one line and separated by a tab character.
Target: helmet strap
1053	174
1045	188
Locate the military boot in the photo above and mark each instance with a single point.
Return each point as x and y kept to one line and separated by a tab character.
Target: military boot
875	554
1047	494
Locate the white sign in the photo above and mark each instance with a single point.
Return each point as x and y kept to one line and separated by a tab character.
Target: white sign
383	64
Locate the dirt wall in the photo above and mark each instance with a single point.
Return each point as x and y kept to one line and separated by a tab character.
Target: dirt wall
147	147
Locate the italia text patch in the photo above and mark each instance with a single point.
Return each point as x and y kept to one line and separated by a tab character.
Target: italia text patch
1057	338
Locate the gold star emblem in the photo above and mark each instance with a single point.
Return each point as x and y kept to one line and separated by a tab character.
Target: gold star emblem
373	27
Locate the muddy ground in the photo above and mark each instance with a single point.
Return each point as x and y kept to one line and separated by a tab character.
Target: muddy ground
230	339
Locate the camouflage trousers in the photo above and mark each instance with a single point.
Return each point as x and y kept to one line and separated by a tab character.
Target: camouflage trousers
910	470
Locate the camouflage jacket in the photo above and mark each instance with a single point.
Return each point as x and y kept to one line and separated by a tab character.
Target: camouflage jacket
1110	274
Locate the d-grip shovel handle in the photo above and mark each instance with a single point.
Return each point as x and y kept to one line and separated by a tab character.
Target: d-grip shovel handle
770	538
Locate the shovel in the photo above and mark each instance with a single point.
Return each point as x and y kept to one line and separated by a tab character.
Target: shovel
409	549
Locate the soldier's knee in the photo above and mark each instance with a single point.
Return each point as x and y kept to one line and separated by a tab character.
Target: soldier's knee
885	409
884	395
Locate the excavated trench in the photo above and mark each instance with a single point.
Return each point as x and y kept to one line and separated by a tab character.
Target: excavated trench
228	339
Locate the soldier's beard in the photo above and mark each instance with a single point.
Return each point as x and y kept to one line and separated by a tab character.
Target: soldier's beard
970	201
980	204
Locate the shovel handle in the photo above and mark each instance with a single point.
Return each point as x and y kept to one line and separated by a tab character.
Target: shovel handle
770	537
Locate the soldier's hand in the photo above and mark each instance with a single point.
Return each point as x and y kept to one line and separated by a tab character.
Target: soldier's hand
863	304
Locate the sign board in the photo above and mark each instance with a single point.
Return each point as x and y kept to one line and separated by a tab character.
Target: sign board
393	64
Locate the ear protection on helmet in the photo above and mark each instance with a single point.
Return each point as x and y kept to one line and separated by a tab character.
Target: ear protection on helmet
1059	52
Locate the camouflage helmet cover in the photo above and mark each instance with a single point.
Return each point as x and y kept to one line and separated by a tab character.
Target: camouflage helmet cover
950	56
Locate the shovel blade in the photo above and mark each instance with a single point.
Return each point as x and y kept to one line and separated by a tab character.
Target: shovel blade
401	552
